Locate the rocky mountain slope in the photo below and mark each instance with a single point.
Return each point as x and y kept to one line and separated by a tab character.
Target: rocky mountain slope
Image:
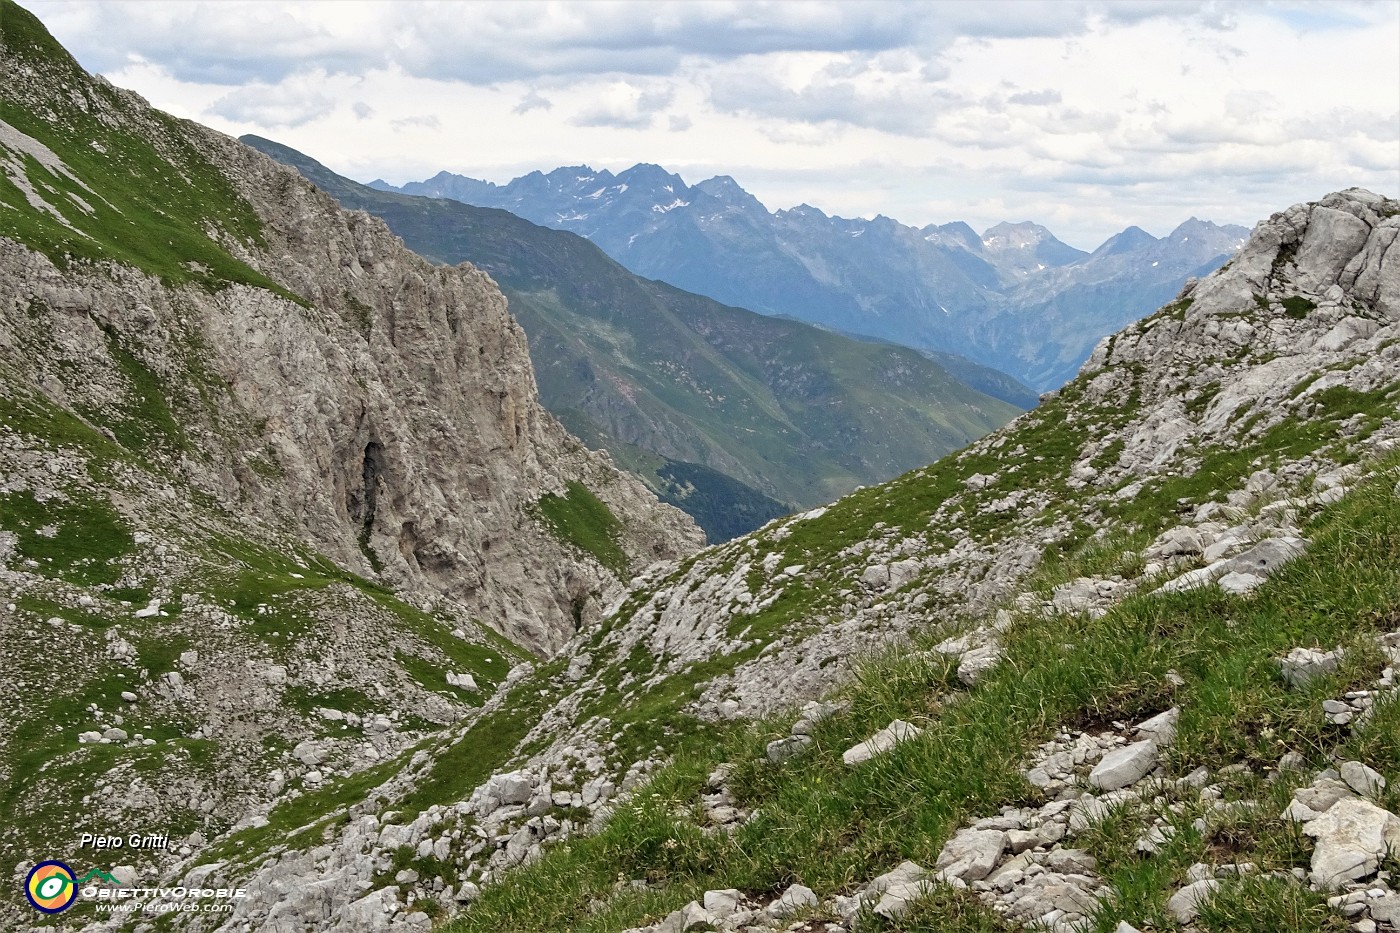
268	478
799	413
1126	664
1014	298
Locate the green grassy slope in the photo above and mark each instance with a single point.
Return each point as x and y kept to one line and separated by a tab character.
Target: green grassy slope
149	200
799	413
830	827
721	505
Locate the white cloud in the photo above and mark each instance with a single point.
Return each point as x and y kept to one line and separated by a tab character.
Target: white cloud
427	121
1086	116
533	100
624	106
278	106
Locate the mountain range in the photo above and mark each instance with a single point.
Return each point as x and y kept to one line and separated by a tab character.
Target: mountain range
1014	298
300	576
643	369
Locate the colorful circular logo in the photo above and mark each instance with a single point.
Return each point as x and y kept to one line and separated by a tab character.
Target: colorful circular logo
51	887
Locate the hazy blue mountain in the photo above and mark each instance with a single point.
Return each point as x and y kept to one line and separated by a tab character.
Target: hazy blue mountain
1014	298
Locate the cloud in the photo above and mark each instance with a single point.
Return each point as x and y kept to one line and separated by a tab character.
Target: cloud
849	89
219	42
625	106
1077	112
273	107
226	42
1036	98
427	121
533	100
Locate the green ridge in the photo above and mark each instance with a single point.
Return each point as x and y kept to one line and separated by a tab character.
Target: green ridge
145	199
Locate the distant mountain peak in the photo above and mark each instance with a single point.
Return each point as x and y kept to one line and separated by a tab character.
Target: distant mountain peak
1023	231
1196	227
1130	239
726	189
1026	247
649	173
923	287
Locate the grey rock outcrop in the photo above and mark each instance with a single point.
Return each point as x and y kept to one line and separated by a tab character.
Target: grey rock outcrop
394	407
1352	837
879	743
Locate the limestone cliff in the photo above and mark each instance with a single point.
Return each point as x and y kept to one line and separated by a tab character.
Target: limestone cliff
277	497
390	403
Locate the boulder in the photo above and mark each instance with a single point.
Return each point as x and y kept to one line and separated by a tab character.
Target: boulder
971	854
978	662
783	749
1386	909
1175	542
1365	781
1352	838
463	681
1160	728
1185	904
898	898
516	787
1303	664
876	576
690	917
722	903
1124	766
904	873
792	900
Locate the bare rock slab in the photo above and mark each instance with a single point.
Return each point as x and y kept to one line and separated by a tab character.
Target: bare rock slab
1124	766
879	743
1352	838
971	854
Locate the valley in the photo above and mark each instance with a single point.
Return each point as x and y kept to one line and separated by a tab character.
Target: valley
1013	298
354	561
798	414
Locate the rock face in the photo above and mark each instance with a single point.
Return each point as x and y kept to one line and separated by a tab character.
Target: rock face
390	414
277	498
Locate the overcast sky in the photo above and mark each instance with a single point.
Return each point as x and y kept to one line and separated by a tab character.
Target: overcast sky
1083	116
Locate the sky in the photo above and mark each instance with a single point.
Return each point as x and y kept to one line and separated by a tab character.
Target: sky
1086	117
